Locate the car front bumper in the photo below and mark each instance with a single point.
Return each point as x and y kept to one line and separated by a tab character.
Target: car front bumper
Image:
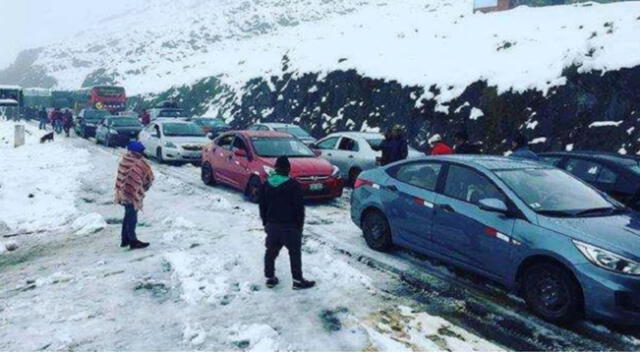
610	296
182	155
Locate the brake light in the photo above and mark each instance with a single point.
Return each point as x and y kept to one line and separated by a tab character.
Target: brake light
362	182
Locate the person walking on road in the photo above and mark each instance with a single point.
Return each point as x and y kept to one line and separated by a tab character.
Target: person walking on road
394	147
134	180
438	146
56	120
42	118
67	122
145	118
462	145
520	145
282	214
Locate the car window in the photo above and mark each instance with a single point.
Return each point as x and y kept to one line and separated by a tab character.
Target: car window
584	169
239	144
423	175
226	141
551	160
607	176
329	143
470	186
254	128
348	144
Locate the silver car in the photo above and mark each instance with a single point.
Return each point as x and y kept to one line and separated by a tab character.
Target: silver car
353	152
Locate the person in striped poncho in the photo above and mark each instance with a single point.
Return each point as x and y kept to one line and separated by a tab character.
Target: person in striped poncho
134	179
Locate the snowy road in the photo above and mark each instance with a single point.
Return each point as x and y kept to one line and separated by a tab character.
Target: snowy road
200	285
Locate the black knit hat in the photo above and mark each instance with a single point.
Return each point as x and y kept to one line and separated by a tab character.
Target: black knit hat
283	167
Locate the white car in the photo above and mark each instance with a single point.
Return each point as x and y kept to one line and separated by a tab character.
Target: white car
353	152
289	128
173	141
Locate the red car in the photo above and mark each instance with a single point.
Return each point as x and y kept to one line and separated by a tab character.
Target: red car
243	159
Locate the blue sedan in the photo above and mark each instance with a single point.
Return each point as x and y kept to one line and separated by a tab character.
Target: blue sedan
566	248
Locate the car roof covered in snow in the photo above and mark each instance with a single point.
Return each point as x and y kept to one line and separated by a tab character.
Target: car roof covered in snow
625	160
277	124
357	134
163	120
492	162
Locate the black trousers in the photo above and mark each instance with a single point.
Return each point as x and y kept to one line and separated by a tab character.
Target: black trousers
283	235
129	224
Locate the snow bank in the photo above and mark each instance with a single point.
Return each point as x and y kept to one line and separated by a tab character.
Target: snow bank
88	224
38	182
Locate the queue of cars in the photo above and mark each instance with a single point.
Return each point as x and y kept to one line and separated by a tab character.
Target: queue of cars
554	232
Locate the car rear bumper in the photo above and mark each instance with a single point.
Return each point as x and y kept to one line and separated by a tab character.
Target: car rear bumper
331	189
610	296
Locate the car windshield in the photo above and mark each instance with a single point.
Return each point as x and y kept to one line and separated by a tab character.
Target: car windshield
554	192
293	130
375	143
211	122
125	122
96	114
171	113
182	130
273	147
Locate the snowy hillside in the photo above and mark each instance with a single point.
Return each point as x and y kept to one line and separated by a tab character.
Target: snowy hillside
417	42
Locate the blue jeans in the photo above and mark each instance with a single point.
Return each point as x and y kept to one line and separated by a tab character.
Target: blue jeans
43	124
129	224
57	126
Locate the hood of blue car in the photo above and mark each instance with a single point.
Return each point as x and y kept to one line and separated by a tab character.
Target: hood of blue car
617	233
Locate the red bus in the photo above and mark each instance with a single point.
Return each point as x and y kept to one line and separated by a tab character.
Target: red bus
111	98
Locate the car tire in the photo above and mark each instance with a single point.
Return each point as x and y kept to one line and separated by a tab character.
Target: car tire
159	157
552	293
376	231
353	176
206	174
253	190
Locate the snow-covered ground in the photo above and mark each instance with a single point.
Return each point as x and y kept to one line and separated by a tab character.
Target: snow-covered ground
69	286
417	42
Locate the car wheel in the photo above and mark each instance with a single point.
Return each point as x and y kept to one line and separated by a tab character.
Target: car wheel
353	176
376	230
552	293
253	189
206	174
159	157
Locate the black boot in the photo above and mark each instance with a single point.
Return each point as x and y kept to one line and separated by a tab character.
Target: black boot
303	284
138	245
272	282
124	243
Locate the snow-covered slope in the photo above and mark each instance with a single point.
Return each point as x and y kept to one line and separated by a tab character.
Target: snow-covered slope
417	42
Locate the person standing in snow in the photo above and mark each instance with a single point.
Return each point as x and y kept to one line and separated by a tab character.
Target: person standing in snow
42	118
145	118
520	145
134	179
282	214
462	145
67	122
438	146
394	147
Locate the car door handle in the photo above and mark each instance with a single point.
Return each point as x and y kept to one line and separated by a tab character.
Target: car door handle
391	188
329	154
350	156
445	207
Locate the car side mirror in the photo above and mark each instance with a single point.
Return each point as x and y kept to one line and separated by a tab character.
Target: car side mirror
493	205
241	153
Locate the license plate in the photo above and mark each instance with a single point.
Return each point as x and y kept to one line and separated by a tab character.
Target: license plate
316	187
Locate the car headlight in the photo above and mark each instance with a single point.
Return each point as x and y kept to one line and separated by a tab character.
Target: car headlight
335	172
170	145
112	131
267	169
608	260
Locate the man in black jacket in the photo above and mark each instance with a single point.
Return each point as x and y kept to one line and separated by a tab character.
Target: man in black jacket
282	214
462	145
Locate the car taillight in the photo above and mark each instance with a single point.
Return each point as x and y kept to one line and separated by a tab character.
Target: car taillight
362	182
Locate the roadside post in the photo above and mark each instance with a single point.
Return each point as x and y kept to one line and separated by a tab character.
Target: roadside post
18	136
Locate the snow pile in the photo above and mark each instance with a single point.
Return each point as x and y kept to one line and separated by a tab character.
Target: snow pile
254	337
439	42
88	224
38	182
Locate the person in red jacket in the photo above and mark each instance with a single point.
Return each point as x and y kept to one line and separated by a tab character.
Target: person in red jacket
438	146
145	118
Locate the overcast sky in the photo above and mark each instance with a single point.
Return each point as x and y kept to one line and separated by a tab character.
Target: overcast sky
31	23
